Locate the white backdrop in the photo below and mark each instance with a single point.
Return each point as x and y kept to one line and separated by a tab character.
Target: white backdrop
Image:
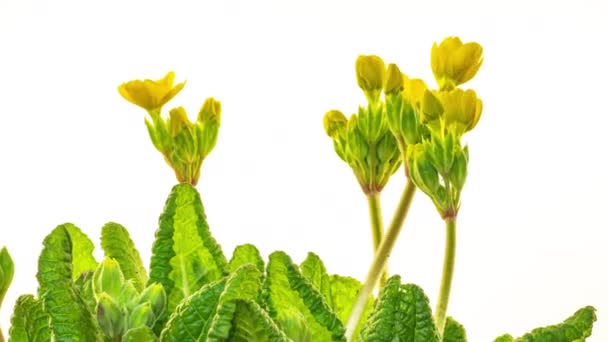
532	238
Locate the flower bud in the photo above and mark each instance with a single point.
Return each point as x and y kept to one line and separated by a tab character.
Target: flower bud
371	74
178	121
431	107
394	80
462	109
334	123
141	315
108	278
455	63
458	173
110	316
7	270
155	295
129	295
210	111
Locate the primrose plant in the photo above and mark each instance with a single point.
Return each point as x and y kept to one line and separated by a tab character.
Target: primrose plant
193	292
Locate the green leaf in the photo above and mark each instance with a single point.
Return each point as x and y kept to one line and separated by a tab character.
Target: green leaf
191	318
314	271
70	320
29	322
454	331
251	323
117	244
293	302
141	334
7	270
208	314
184	255
246	254
82	251
344	291
402	313
575	328
84	288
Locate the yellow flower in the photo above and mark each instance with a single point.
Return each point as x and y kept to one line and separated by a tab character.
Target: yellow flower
462	109
455	63
394	79
371	74
178	121
334	122
149	94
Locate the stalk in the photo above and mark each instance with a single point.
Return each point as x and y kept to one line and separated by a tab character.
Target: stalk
1	336
448	272
375	215
381	257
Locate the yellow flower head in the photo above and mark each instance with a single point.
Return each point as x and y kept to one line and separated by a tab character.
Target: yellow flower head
149	94
462	109
455	63
413	91
178	121
394	79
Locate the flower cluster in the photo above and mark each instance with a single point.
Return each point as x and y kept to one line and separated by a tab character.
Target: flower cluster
183	143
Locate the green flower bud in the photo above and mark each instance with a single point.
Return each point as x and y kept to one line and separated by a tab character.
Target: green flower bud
394	80
431	107
129	296
334	123
422	172
178	121
141	315
7	270
371	75
110	316
372	122
357	148
210	111
108	278
156	296
458	173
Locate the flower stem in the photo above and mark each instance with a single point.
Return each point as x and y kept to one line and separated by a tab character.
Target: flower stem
448	272
380	259
1	336
375	215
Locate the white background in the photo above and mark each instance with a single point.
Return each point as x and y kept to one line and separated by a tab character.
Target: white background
532	235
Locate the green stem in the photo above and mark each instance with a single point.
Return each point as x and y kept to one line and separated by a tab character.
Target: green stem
448	272
375	215
380	259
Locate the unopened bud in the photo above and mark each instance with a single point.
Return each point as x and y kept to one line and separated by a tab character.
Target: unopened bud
110	316
108	278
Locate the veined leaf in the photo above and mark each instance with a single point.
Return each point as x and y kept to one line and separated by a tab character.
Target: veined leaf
251	323
184	255
82	251
454	331
70	320
29	322
246	254
575	328
344	291
84	288
117	244
402	313
7	270
207	315
314	271
296	305
191	318
141	334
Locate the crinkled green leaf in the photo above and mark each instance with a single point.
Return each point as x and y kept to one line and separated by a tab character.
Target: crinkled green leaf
70	320
242	287
191	317
184	255
141	334
117	244
575	328
344	291
402	313
293	302
208	313
82	251
246	254
454	331
313	269
84	286
29	322
251	323
7	270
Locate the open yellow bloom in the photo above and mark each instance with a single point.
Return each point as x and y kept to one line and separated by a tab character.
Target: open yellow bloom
461	109
455	63
149	94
